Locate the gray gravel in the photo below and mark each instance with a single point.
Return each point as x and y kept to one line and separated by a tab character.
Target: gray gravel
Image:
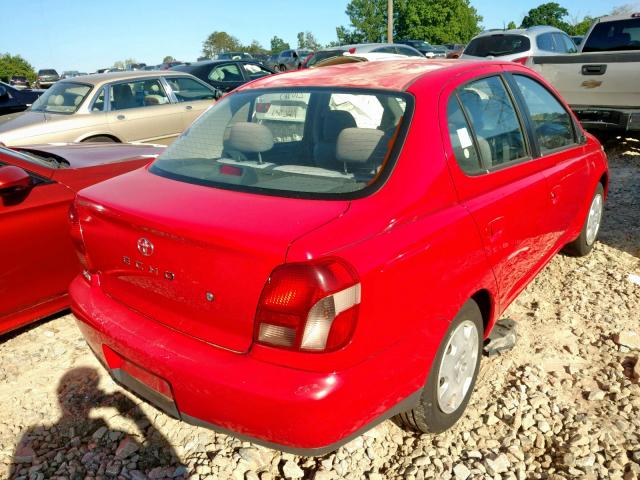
565	403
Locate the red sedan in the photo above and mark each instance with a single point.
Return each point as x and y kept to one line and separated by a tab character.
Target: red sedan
37	185
328	248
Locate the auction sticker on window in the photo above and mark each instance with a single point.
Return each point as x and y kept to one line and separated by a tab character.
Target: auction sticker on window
464	137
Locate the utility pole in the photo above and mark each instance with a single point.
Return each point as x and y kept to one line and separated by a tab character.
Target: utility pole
390	21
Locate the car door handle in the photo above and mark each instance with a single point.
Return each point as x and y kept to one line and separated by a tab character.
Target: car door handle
121	117
594	69
188	107
555	195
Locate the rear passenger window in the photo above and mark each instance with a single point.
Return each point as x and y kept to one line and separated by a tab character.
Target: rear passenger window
494	121
551	122
464	147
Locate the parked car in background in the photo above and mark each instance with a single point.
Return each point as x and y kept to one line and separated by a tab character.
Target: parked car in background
37	185
272	62
454	50
320	55
19	82
577	39
296	243
601	82
261	57
392	48
519	45
234	56
429	51
291	59
225	75
69	74
112	107
14	100
168	65
46	78
347	57
136	66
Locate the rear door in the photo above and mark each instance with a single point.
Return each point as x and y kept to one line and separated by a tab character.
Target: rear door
495	176
560	149
193	97
38	259
226	76
141	110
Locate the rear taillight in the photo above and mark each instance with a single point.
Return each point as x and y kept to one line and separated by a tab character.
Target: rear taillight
352	50
76	236
309	306
521	60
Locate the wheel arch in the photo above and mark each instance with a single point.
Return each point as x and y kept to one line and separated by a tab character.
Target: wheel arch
486	303
93	135
604	180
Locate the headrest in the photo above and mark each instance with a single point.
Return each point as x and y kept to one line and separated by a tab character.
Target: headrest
360	145
250	137
334	122
56	100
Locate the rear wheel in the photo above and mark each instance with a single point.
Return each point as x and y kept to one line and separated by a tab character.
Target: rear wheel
282	68
101	139
453	375
582	245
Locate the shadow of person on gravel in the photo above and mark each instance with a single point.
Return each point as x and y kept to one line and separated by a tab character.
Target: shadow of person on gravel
77	446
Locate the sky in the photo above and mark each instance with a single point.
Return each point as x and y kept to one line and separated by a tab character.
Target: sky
85	35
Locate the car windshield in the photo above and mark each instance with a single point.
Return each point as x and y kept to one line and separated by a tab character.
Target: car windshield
419	44
313	143
62	97
614	36
48	72
497	45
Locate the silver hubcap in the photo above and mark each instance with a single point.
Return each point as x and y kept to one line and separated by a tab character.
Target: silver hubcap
457	366
595	217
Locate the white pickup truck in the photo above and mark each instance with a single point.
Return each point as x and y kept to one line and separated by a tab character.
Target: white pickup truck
601	83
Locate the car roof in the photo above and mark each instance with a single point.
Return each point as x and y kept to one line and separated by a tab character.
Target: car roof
616	18
101	78
395	75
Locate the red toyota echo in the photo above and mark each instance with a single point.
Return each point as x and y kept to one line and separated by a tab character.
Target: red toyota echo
326	248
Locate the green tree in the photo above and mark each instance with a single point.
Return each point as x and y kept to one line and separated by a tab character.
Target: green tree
438	21
122	64
547	14
219	42
307	40
512	25
580	27
168	59
254	47
11	65
278	45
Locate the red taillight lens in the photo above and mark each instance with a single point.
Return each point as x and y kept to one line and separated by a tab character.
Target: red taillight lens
309	307
262	107
352	50
521	60
76	235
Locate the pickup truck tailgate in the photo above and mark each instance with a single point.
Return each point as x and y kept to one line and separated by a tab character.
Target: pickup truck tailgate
608	79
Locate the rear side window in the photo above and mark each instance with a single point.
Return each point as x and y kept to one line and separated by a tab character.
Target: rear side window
497	45
494	121
551	122
464	147
614	36
310	143
189	90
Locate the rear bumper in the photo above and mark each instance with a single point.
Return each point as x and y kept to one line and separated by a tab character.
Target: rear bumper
608	118
307	413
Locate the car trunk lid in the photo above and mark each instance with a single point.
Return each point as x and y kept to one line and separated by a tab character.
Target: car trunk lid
191	257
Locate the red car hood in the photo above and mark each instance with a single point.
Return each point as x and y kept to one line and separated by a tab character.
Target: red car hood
81	155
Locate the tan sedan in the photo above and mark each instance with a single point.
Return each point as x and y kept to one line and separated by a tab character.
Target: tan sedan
113	107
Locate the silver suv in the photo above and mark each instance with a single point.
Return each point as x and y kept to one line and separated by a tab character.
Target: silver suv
519	45
291	60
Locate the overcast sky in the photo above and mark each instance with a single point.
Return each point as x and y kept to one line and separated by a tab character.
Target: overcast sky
86	35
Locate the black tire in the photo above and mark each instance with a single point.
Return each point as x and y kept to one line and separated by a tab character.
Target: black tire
580	247
101	139
427	416
282	68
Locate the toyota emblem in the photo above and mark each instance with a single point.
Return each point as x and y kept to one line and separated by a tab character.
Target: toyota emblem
145	247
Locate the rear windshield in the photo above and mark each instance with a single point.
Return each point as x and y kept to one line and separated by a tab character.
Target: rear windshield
313	143
323	55
497	45
614	36
47	72
62	97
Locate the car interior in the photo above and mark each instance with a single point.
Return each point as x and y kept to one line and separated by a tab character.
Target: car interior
321	143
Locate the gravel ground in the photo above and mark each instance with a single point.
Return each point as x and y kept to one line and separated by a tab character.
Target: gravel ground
565	403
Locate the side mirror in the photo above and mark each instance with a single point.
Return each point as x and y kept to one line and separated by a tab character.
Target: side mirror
13	179
3	92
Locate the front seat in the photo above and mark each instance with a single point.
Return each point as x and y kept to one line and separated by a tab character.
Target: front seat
123	97
324	151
